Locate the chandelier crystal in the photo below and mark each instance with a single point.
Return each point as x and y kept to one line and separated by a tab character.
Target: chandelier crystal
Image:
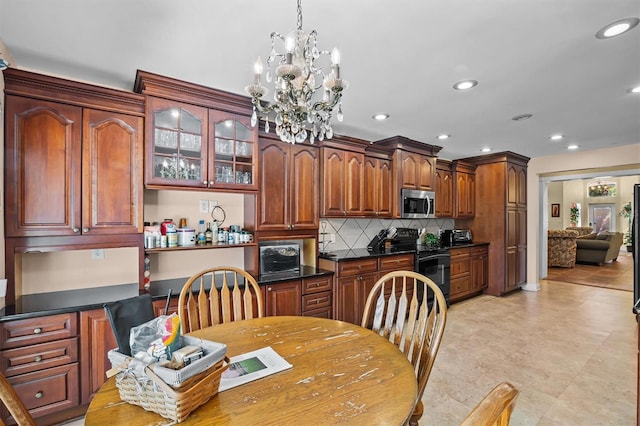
304	95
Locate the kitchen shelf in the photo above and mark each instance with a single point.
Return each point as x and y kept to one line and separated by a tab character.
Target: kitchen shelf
200	247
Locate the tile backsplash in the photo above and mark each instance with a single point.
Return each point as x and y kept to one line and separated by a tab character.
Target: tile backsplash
357	233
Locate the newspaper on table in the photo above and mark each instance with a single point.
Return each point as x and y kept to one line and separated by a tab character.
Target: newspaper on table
252	366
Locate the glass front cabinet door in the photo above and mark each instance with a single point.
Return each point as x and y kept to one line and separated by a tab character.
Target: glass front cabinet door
177	144
191	146
235	145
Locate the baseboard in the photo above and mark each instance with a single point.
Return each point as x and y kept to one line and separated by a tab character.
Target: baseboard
531	287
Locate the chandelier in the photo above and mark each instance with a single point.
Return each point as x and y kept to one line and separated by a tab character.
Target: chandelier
304	95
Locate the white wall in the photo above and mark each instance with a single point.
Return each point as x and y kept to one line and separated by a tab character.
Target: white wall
627	156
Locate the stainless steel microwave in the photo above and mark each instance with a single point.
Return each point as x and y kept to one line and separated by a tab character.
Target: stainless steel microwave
417	204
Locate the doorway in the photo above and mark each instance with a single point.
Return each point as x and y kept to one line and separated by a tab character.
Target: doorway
602	217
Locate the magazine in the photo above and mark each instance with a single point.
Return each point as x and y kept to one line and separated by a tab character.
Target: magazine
251	366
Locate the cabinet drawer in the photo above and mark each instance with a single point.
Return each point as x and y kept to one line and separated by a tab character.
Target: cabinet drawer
47	391
316	285
459	253
38	357
14	334
460	267
316	300
355	267
460	286
403	262
319	313
479	251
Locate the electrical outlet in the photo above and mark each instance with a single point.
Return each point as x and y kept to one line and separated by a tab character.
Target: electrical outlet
212	204
97	254
204	206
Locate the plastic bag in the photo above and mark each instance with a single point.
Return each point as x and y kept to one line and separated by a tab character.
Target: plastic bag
157	338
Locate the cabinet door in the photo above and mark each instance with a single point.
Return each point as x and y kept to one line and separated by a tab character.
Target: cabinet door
273	211
370	193
461	194
346	299
409	165
96	339
304	194
42	154
333	182
234	151
354	183
516	185
283	298
426	173
479	272
176	144
383	179
112	173
444	193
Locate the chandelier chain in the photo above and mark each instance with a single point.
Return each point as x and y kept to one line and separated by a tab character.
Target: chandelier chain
299	15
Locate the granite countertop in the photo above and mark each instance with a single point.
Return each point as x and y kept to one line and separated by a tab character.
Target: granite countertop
361	253
59	302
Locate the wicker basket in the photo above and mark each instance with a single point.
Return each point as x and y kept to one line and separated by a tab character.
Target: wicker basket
172	402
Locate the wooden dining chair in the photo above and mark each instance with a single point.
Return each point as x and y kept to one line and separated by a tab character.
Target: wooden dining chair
396	309
495	408
235	296
13	403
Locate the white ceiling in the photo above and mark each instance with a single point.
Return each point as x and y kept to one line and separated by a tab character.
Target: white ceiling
401	57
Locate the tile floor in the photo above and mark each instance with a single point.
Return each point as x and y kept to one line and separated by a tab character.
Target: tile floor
570	349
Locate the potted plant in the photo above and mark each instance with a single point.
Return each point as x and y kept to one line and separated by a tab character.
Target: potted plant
626	213
573	214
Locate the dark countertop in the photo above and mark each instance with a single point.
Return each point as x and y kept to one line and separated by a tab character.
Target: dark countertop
59	302
363	253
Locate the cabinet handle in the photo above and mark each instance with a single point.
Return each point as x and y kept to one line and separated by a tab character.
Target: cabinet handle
86	229
204	182
211	183
268	288
38	358
76	230
39	394
37	330
317	284
345	212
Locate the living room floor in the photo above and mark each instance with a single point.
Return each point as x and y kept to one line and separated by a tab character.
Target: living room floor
570	349
617	275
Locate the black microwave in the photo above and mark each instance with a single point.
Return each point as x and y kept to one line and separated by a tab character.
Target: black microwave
417	204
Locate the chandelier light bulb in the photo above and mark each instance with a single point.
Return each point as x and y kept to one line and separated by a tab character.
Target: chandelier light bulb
290	42
258	66
335	56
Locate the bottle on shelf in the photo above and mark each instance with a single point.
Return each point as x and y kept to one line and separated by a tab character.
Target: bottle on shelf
172	235
202	239
208	233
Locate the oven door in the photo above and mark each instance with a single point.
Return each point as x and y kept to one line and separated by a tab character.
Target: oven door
437	267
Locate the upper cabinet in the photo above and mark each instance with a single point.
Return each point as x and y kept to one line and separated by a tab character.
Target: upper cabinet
464	189
377	187
289	176
197	137
444	189
413	166
71	169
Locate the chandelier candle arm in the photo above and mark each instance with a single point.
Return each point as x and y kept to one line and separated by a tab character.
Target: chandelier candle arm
296	113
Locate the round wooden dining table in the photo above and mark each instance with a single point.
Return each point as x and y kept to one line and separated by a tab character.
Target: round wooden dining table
341	373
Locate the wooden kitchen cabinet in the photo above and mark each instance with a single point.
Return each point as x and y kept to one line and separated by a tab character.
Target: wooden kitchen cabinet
96	339
501	218
342	182
197	137
76	171
39	357
460	273
317	297
464	189
417	171
444	189
479	268
283	298
289	183
377	187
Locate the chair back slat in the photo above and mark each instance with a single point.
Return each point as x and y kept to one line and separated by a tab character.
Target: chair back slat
219	295
404	316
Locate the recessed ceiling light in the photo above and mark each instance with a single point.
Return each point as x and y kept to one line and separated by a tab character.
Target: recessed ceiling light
465	84
443	136
572	147
522	117
616	28
486	149
635	89
380	117
555	137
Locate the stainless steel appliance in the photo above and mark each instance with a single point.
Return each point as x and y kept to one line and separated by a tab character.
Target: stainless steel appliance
453	237
416	204
279	257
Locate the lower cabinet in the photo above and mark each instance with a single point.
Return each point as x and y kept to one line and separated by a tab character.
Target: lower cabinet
469	271
39	357
307	297
96	339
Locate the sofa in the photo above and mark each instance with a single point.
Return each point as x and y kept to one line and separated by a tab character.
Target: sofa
598	248
582	230
561	248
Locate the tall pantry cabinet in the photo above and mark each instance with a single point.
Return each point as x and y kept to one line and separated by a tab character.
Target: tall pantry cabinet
501	218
